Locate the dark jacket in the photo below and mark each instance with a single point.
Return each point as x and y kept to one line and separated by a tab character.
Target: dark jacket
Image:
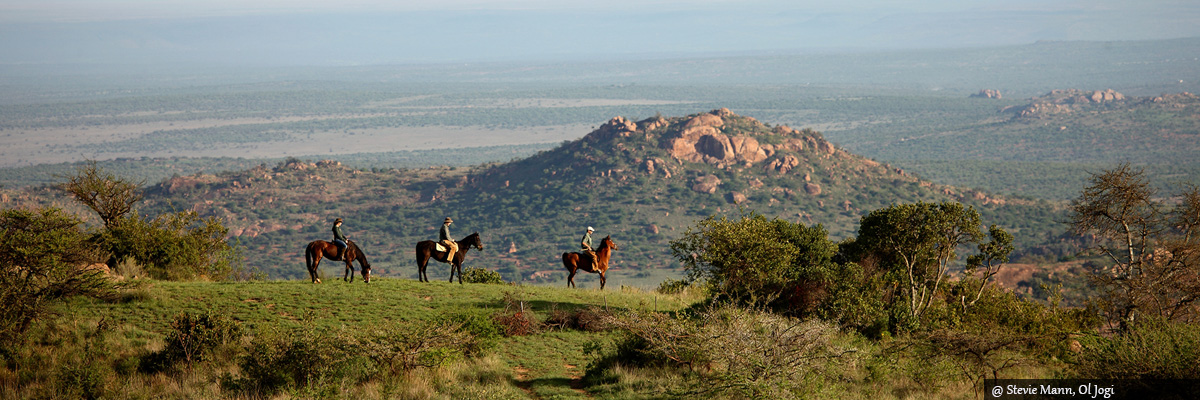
445	233
337	233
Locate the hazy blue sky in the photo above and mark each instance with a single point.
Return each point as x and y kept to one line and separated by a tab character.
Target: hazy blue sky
310	32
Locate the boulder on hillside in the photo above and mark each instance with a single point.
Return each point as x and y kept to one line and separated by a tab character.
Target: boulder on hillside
616	127
707	184
783	164
707	119
652	123
735	197
812	189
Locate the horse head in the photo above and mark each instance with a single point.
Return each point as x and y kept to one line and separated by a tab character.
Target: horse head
607	241
362	261
474	241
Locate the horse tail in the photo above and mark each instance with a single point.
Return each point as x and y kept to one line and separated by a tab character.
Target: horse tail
566	260
308	256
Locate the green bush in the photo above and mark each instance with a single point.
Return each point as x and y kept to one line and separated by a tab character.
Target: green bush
302	358
194	338
758	261
176	246
673	286
481	333
481	275
1152	348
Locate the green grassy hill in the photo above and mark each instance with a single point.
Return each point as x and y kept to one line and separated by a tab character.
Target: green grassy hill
104	348
545	364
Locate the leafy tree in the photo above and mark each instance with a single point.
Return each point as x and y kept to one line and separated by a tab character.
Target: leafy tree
1151	248
171	246
44	256
757	260
916	243
108	195
992	255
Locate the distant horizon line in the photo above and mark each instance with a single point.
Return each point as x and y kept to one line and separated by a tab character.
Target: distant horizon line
571	59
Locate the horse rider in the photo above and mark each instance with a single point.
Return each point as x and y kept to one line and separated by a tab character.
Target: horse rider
339	239
444	238
586	243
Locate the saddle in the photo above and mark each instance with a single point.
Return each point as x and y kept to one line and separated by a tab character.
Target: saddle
439	247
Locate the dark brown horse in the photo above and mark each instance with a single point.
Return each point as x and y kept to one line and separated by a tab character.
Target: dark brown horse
319	249
427	249
575	261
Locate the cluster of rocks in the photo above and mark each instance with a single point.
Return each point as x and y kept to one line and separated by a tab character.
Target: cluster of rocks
987	94
700	139
1065	101
718	138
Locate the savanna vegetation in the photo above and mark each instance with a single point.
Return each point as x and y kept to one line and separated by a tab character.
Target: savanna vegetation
827	275
770	308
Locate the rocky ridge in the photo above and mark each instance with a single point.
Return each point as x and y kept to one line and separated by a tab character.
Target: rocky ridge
1073	100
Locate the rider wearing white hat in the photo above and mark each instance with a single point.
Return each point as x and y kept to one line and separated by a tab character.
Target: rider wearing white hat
586	243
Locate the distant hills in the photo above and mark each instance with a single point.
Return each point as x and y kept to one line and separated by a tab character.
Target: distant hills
643	182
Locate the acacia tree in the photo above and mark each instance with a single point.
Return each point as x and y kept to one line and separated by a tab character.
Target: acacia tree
1150	247
44	256
109	196
917	243
179	245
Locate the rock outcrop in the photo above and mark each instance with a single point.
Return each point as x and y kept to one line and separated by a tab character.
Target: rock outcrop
987	94
1065	101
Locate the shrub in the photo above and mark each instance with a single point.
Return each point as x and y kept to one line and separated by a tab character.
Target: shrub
405	346
84	374
482	333
174	246
481	275
1151	348
758	261
728	350
194	338
517	318
673	286
297	359
590	319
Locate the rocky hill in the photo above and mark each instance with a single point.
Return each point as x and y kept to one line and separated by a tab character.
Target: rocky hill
1074	100
643	182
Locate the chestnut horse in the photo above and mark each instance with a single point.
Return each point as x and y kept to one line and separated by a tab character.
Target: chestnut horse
574	262
319	249
427	249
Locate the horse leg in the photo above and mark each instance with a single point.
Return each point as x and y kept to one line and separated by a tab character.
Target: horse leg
459	268
313	267
571	278
421	261
602	280
349	277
